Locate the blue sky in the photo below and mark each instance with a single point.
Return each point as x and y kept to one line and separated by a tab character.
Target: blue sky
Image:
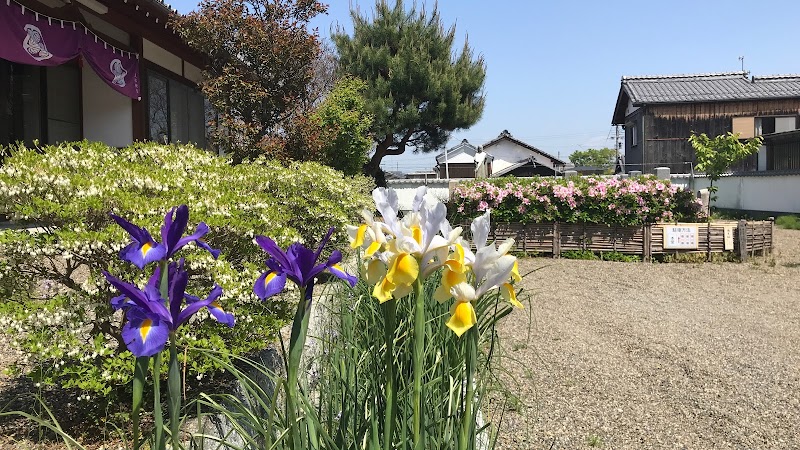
554	68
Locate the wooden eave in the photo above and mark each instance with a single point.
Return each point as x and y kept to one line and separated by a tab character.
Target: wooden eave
622	104
152	21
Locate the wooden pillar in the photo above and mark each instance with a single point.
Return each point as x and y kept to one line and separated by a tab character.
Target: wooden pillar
742	233
647	251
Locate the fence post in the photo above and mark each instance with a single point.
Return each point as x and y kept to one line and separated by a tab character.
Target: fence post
556	241
742	232
584	245
524	232
647	251
771	234
614	237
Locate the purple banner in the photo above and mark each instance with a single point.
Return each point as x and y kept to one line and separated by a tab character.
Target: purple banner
27	37
118	69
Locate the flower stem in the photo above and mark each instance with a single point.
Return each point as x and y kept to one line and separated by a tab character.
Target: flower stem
174	389
296	343
467	423
419	354
140	369
158	419
390	323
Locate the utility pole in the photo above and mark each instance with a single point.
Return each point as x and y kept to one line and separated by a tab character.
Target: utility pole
616	142
446	164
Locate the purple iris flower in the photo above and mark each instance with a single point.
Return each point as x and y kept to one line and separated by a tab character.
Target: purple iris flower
144	249
298	264
151	318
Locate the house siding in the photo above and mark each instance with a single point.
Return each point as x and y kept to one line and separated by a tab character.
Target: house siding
634	155
460	170
664	131
507	153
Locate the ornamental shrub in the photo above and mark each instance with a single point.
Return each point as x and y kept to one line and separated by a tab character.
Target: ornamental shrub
611	201
54	301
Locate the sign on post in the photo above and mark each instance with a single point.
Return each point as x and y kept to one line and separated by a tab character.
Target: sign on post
680	236
729	237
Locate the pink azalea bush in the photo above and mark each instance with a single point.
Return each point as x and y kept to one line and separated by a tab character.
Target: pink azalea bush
611	201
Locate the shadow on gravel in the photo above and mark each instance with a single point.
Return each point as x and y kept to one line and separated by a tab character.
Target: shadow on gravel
91	421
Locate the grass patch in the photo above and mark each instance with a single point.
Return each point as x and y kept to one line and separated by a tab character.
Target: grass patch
788	222
619	257
594	441
602	256
579	254
699	257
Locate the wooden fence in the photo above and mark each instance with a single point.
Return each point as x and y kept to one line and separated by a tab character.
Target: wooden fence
648	240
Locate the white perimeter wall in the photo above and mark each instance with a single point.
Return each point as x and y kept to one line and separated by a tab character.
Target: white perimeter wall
107	114
407	188
774	193
778	193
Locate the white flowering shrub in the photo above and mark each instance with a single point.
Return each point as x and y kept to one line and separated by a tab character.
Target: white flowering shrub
54	301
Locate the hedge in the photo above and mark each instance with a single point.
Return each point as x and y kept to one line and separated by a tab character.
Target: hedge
55	304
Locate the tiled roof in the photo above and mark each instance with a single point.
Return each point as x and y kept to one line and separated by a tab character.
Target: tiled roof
709	87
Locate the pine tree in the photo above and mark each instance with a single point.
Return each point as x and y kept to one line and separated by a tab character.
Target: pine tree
418	91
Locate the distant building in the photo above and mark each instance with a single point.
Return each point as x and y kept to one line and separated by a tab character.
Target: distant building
458	161
502	156
659	114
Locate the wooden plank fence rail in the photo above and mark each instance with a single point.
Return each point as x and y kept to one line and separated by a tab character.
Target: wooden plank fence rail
647	240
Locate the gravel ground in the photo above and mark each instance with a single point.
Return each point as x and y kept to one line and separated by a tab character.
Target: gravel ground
640	356
634	355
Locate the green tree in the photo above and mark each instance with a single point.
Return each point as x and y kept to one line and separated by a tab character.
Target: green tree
345	124
716	155
417	91
334	132
261	60
594	157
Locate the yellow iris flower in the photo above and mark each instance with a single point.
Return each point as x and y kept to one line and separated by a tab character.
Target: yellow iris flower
462	314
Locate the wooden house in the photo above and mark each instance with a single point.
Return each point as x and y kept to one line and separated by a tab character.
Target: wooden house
782	151
515	157
502	156
104	70
659	113
459	161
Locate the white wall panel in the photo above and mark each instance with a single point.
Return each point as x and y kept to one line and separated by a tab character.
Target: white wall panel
107	114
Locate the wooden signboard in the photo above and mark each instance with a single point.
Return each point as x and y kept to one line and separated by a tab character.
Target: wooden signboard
729	237
682	236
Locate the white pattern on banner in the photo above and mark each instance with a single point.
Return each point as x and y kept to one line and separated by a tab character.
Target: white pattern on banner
34	43
74	24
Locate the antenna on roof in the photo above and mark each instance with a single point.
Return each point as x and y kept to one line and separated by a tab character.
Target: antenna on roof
741	59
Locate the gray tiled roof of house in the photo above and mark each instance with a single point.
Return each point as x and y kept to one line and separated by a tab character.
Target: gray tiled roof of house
709	87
